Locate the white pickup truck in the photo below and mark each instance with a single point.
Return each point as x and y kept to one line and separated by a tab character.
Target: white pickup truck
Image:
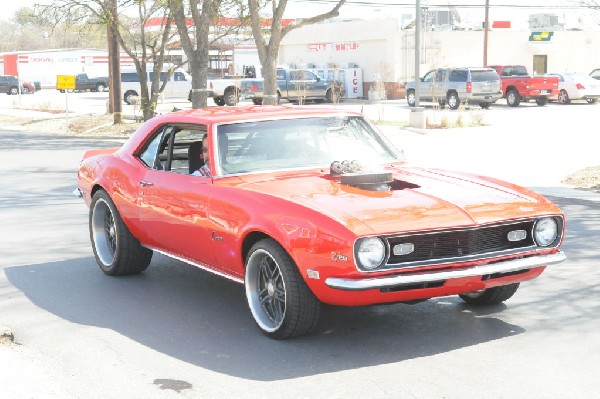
225	91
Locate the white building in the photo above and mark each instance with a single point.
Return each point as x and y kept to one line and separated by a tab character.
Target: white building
44	66
386	51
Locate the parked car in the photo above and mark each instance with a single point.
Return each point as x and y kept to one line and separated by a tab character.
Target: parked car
295	85
310	205
576	86
454	86
518	85
595	73
85	83
179	84
27	87
9	84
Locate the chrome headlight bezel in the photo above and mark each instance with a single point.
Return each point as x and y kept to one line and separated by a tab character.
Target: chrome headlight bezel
546	231
370	253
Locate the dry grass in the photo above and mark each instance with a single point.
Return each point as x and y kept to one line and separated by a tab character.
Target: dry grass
585	179
81	125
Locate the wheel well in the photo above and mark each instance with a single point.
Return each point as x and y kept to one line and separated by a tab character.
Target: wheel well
509	88
250	240
230	88
95	189
451	92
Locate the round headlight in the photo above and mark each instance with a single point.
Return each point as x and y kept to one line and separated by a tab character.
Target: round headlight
371	252
545	231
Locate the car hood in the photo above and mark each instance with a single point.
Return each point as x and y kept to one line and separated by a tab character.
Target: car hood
421	199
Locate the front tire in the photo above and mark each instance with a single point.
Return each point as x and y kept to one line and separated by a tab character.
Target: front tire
280	301
513	98
491	296
116	250
411	98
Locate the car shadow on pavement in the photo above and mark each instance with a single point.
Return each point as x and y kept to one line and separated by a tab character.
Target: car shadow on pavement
202	319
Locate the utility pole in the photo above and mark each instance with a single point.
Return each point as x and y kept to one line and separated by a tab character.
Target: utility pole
114	65
417	52
485	32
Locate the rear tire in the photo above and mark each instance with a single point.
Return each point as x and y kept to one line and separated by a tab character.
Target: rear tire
230	97
257	101
100	88
513	98
453	100
280	301
491	296
128	95
116	250
541	101
332	96
563	97
485	105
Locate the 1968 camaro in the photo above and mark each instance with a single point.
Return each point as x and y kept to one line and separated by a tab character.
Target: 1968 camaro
308	206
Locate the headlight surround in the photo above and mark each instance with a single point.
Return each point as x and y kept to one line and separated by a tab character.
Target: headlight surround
371	252
545	231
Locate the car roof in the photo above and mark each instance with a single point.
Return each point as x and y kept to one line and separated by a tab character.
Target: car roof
253	113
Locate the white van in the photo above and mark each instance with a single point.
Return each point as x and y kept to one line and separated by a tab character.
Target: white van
179	86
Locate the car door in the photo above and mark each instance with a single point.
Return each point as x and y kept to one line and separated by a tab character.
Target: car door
179	85
315	86
427	86
440	85
172	204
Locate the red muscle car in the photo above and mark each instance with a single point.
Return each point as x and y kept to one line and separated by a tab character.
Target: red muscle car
306	206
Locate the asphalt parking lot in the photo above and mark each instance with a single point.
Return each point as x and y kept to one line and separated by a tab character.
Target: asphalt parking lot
176	331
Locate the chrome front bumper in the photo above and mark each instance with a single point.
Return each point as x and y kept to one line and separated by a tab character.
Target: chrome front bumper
512	265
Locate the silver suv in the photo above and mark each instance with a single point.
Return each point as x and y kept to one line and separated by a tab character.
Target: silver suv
454	86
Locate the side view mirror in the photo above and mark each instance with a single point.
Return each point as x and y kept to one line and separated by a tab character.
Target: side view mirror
422	79
318	79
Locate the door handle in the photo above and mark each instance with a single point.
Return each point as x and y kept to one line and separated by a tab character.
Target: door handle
144	183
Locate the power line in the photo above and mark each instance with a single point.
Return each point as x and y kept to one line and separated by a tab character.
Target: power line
472	6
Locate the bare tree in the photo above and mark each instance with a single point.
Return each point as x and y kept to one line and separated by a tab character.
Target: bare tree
269	41
196	39
144	46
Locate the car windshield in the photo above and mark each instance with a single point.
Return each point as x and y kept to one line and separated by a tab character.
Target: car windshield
299	143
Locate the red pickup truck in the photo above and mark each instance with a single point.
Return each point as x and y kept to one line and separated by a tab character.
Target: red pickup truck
518	85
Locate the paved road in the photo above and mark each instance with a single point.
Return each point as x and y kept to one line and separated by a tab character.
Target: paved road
175	331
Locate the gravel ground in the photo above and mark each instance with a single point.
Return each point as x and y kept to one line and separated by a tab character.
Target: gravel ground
102	126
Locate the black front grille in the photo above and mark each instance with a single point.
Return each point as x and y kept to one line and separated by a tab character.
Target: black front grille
459	243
